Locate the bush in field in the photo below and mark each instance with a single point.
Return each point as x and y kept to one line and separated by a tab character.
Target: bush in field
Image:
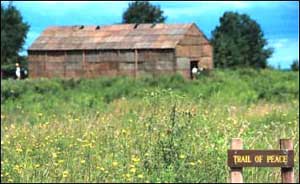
295	65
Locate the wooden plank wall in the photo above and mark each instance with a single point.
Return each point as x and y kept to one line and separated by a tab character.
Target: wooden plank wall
75	64
193	46
36	64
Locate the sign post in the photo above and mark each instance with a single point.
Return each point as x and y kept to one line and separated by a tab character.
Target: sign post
287	173
239	158
236	173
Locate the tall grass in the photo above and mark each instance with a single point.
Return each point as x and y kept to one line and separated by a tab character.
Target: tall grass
163	129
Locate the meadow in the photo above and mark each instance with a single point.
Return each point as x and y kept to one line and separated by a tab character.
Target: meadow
162	129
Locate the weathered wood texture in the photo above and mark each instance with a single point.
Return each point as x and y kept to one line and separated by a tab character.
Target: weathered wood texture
71	64
236	174
193	46
261	158
287	174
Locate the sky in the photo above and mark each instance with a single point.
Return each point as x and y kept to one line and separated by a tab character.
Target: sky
279	20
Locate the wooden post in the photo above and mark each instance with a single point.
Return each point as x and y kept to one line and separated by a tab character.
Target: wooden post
136	62
83	67
287	174
236	174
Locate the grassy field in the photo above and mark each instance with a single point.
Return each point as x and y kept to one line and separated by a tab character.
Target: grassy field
162	129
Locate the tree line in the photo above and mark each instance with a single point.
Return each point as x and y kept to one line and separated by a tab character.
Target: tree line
238	41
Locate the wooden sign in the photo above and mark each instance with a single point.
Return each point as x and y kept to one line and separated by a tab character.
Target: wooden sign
260	158
239	158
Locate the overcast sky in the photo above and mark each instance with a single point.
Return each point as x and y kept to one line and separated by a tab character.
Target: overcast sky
278	20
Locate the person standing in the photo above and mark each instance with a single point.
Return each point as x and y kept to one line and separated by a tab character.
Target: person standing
194	72
18	71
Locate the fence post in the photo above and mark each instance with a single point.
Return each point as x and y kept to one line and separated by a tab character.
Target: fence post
236	174
287	174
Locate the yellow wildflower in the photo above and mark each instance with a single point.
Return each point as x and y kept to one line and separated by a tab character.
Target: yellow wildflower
65	174
133	170
182	156
135	159
19	150
54	155
192	163
82	161
115	164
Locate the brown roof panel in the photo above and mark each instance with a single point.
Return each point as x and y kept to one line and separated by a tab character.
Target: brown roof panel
119	36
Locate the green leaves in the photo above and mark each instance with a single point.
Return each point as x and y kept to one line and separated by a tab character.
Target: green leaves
13	34
295	65
239	42
143	12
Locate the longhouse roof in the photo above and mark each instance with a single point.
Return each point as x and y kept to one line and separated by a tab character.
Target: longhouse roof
120	36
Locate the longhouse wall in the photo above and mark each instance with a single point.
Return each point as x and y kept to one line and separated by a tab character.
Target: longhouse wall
75	64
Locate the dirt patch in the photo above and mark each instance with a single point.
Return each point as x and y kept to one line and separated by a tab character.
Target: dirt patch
264	109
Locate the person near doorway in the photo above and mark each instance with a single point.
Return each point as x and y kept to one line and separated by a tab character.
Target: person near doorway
18	71
194	72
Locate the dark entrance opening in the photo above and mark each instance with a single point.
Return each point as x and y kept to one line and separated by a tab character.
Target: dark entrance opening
192	65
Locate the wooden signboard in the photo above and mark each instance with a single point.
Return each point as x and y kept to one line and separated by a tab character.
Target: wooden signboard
239	158
260	158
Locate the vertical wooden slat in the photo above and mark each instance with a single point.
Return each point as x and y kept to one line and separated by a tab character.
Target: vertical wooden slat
64	62
287	174
118	62
45	61
236	174
136	62
83	64
174	61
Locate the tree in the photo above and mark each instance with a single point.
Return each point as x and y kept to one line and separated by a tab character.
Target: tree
13	34
143	12
239	42
295	65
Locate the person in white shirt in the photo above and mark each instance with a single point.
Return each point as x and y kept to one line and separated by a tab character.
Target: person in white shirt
18	71
194	72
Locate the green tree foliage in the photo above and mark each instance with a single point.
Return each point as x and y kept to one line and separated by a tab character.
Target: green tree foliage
295	65
239	42
143	12
13	34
